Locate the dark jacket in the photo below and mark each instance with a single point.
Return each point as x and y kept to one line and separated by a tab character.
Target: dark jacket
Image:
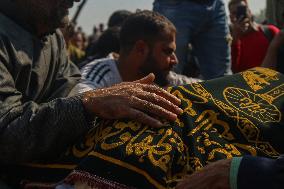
261	173
36	121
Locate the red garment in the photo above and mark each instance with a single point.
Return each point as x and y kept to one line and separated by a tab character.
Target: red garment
250	50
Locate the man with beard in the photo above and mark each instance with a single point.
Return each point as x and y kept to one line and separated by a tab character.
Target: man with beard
147	45
37	120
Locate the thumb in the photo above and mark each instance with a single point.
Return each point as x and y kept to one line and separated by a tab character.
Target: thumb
149	79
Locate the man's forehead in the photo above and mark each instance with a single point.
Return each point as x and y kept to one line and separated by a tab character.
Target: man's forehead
166	42
234	6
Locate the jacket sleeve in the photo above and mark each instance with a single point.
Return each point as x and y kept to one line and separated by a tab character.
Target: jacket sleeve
31	131
261	173
68	74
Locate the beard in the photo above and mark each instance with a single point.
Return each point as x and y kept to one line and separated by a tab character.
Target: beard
60	19
151	66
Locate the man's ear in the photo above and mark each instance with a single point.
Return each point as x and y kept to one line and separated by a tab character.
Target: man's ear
141	48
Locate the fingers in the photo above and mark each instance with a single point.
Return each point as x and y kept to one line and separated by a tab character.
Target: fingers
143	118
149	79
134	101
163	93
153	109
162	102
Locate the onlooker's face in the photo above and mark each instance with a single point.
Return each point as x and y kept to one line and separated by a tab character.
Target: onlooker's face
240	16
49	13
239	11
78	40
161	59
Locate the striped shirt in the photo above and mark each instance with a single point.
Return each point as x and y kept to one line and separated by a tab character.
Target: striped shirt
97	74
103	73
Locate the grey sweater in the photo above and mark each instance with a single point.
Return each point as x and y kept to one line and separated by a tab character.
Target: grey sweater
36	122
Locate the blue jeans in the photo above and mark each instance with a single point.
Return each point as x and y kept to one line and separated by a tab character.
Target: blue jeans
205	26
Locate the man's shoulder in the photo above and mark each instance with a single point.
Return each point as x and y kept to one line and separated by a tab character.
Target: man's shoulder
97	63
273	28
178	79
269	31
101	73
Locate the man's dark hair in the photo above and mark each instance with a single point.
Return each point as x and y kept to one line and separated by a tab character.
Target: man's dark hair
118	17
232	2
144	25
108	42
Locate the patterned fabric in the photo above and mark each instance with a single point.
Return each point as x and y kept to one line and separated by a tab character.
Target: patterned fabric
223	118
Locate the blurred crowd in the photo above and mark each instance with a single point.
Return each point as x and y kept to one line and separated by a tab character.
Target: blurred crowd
208	44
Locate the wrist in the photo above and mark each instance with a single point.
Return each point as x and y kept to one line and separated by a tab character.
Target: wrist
86	101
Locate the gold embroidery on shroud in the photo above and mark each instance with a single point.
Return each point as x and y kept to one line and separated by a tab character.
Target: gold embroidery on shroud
157	154
201	149
258	78
120	126
91	139
248	148
51	166
252	104
171	178
188	109
252	134
269	73
228	110
179	123
266	148
195	163
274	93
202	93
209	121
129	167
249	130
229	151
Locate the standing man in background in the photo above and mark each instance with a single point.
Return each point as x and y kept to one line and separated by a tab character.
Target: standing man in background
202	23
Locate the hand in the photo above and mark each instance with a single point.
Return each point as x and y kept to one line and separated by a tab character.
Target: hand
137	100
213	176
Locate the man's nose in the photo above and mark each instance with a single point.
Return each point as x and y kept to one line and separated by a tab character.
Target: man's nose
174	59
